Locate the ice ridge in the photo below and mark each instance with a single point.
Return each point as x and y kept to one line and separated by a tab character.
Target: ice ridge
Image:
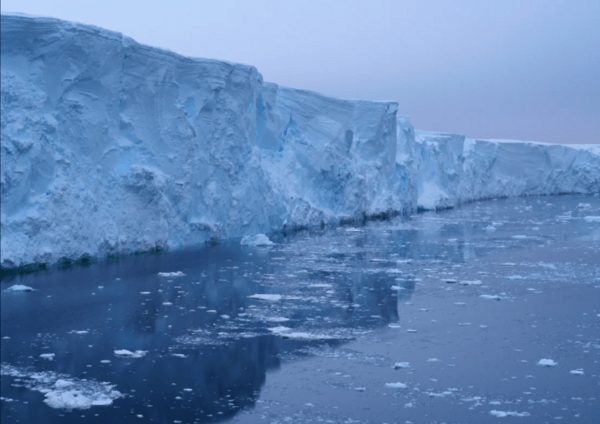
110	147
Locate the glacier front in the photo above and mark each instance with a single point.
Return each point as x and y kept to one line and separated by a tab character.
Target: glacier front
111	147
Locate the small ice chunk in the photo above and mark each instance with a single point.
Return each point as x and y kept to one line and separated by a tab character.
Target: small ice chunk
256	240
167	303
490	296
320	286
144	292
411	330
396	385
360	389
471	283
394	325
171	274
48	356
61	384
401	365
179	355
504	414
490	228
433	360
105	361
577	371
124	353
547	363
584	206
19	288
520	237
592	218
270	297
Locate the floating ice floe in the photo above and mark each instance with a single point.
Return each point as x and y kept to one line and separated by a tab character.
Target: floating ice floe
288	333
124	353
396	385
411	330
78	332
401	365
394	325
320	286
490	296
592	218
584	206
577	371
547	363
48	356
504	414
269	297
19	288
471	283
171	274
490	228
63	391
256	240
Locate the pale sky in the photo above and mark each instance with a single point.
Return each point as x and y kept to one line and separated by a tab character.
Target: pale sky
525	70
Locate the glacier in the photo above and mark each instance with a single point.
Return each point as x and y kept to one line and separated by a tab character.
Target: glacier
110	147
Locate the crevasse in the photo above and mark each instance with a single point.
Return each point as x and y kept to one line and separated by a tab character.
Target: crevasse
112	147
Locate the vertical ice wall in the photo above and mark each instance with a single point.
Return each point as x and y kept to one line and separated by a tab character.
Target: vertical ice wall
329	159
112	147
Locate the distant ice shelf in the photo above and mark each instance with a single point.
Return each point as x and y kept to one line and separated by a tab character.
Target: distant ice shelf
111	147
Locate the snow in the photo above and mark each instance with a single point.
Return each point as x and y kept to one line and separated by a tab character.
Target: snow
110	147
256	240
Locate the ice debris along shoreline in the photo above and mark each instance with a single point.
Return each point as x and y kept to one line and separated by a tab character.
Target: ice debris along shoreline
132	148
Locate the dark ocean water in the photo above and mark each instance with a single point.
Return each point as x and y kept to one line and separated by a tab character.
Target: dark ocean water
465	301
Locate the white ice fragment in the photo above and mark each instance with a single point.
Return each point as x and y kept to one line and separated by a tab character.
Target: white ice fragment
490	296
584	206
144	293
394	325
167	303
288	333
520	237
411	330
179	355
256	240
19	288
61	384
105	361
471	283
171	274
124	353
320	286
433	360
269	297
79	332
396	385
490	228
547	363
592	218
504	414
48	356
401	365
577	371
360	389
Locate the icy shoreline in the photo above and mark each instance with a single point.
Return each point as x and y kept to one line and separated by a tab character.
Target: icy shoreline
110	147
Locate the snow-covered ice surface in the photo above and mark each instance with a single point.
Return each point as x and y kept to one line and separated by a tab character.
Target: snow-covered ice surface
109	147
329	310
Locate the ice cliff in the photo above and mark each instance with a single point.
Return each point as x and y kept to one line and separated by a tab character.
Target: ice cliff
112	147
